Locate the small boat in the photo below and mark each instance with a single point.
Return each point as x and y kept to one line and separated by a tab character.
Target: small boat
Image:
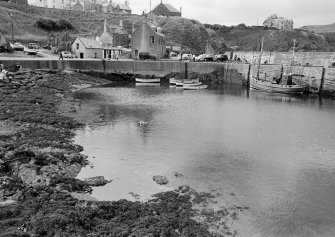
147	80
173	81
194	86
146	84
182	82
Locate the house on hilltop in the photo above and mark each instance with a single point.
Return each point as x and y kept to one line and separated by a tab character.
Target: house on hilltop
108	7
280	23
148	38
166	10
124	7
87	48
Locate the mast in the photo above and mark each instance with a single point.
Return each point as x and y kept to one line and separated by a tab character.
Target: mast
294	40
259	60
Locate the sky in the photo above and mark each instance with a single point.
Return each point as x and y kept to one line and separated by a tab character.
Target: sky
234	12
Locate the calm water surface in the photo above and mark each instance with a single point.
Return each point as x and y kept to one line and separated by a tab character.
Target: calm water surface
274	152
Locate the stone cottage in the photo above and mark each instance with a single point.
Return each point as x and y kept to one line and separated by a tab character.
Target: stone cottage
87	48
148	38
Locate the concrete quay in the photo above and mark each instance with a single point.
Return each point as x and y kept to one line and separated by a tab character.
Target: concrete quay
320	79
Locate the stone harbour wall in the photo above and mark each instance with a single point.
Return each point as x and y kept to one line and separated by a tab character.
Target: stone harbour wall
318	78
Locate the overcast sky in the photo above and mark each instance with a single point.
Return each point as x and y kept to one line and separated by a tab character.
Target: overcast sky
234	12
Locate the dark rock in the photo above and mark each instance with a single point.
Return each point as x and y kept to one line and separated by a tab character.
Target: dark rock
97	181
161	180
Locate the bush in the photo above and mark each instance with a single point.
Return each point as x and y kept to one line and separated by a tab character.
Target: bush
50	25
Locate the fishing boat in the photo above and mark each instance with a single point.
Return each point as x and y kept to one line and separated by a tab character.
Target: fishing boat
276	86
147	80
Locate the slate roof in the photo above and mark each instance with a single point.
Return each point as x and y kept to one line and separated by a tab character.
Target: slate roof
170	8
124	7
90	43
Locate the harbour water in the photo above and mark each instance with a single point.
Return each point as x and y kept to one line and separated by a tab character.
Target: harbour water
272	153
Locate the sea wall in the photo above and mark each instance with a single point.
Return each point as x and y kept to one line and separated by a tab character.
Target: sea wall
285	58
318	78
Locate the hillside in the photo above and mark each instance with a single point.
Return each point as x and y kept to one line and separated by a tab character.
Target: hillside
320	28
249	38
189	33
25	17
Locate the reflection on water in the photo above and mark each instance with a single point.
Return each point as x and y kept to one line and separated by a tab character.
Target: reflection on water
274	152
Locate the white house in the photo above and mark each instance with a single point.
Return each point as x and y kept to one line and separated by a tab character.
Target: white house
87	48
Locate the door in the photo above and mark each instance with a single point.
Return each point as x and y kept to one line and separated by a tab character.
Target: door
81	55
136	54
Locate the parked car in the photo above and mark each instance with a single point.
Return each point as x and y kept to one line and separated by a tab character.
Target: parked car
187	57
33	46
200	58
67	54
220	58
17	46
209	57
147	56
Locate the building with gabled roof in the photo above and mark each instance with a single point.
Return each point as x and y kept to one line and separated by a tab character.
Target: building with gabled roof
124	7
86	48
148	38
167	10
109	7
106	39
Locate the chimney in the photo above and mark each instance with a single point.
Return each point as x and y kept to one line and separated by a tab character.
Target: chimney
105	26
180	10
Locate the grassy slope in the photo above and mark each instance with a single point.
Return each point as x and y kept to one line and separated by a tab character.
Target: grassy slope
321	28
186	32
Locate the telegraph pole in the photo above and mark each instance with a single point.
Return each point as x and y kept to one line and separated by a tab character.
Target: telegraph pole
12	25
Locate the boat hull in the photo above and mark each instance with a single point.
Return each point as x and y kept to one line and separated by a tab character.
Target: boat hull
146	80
277	88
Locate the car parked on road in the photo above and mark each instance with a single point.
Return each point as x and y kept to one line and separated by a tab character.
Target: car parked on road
209	58
17	46
220	58
200	58
147	56
33	46
187	57
67	54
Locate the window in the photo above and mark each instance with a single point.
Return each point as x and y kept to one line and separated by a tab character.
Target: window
152	39
63	1
95	55
77	45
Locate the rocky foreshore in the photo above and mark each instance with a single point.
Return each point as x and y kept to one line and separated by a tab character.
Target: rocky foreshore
39	163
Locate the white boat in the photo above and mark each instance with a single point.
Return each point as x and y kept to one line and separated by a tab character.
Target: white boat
173	81
147	80
194	86
256	83
146	84
182	82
